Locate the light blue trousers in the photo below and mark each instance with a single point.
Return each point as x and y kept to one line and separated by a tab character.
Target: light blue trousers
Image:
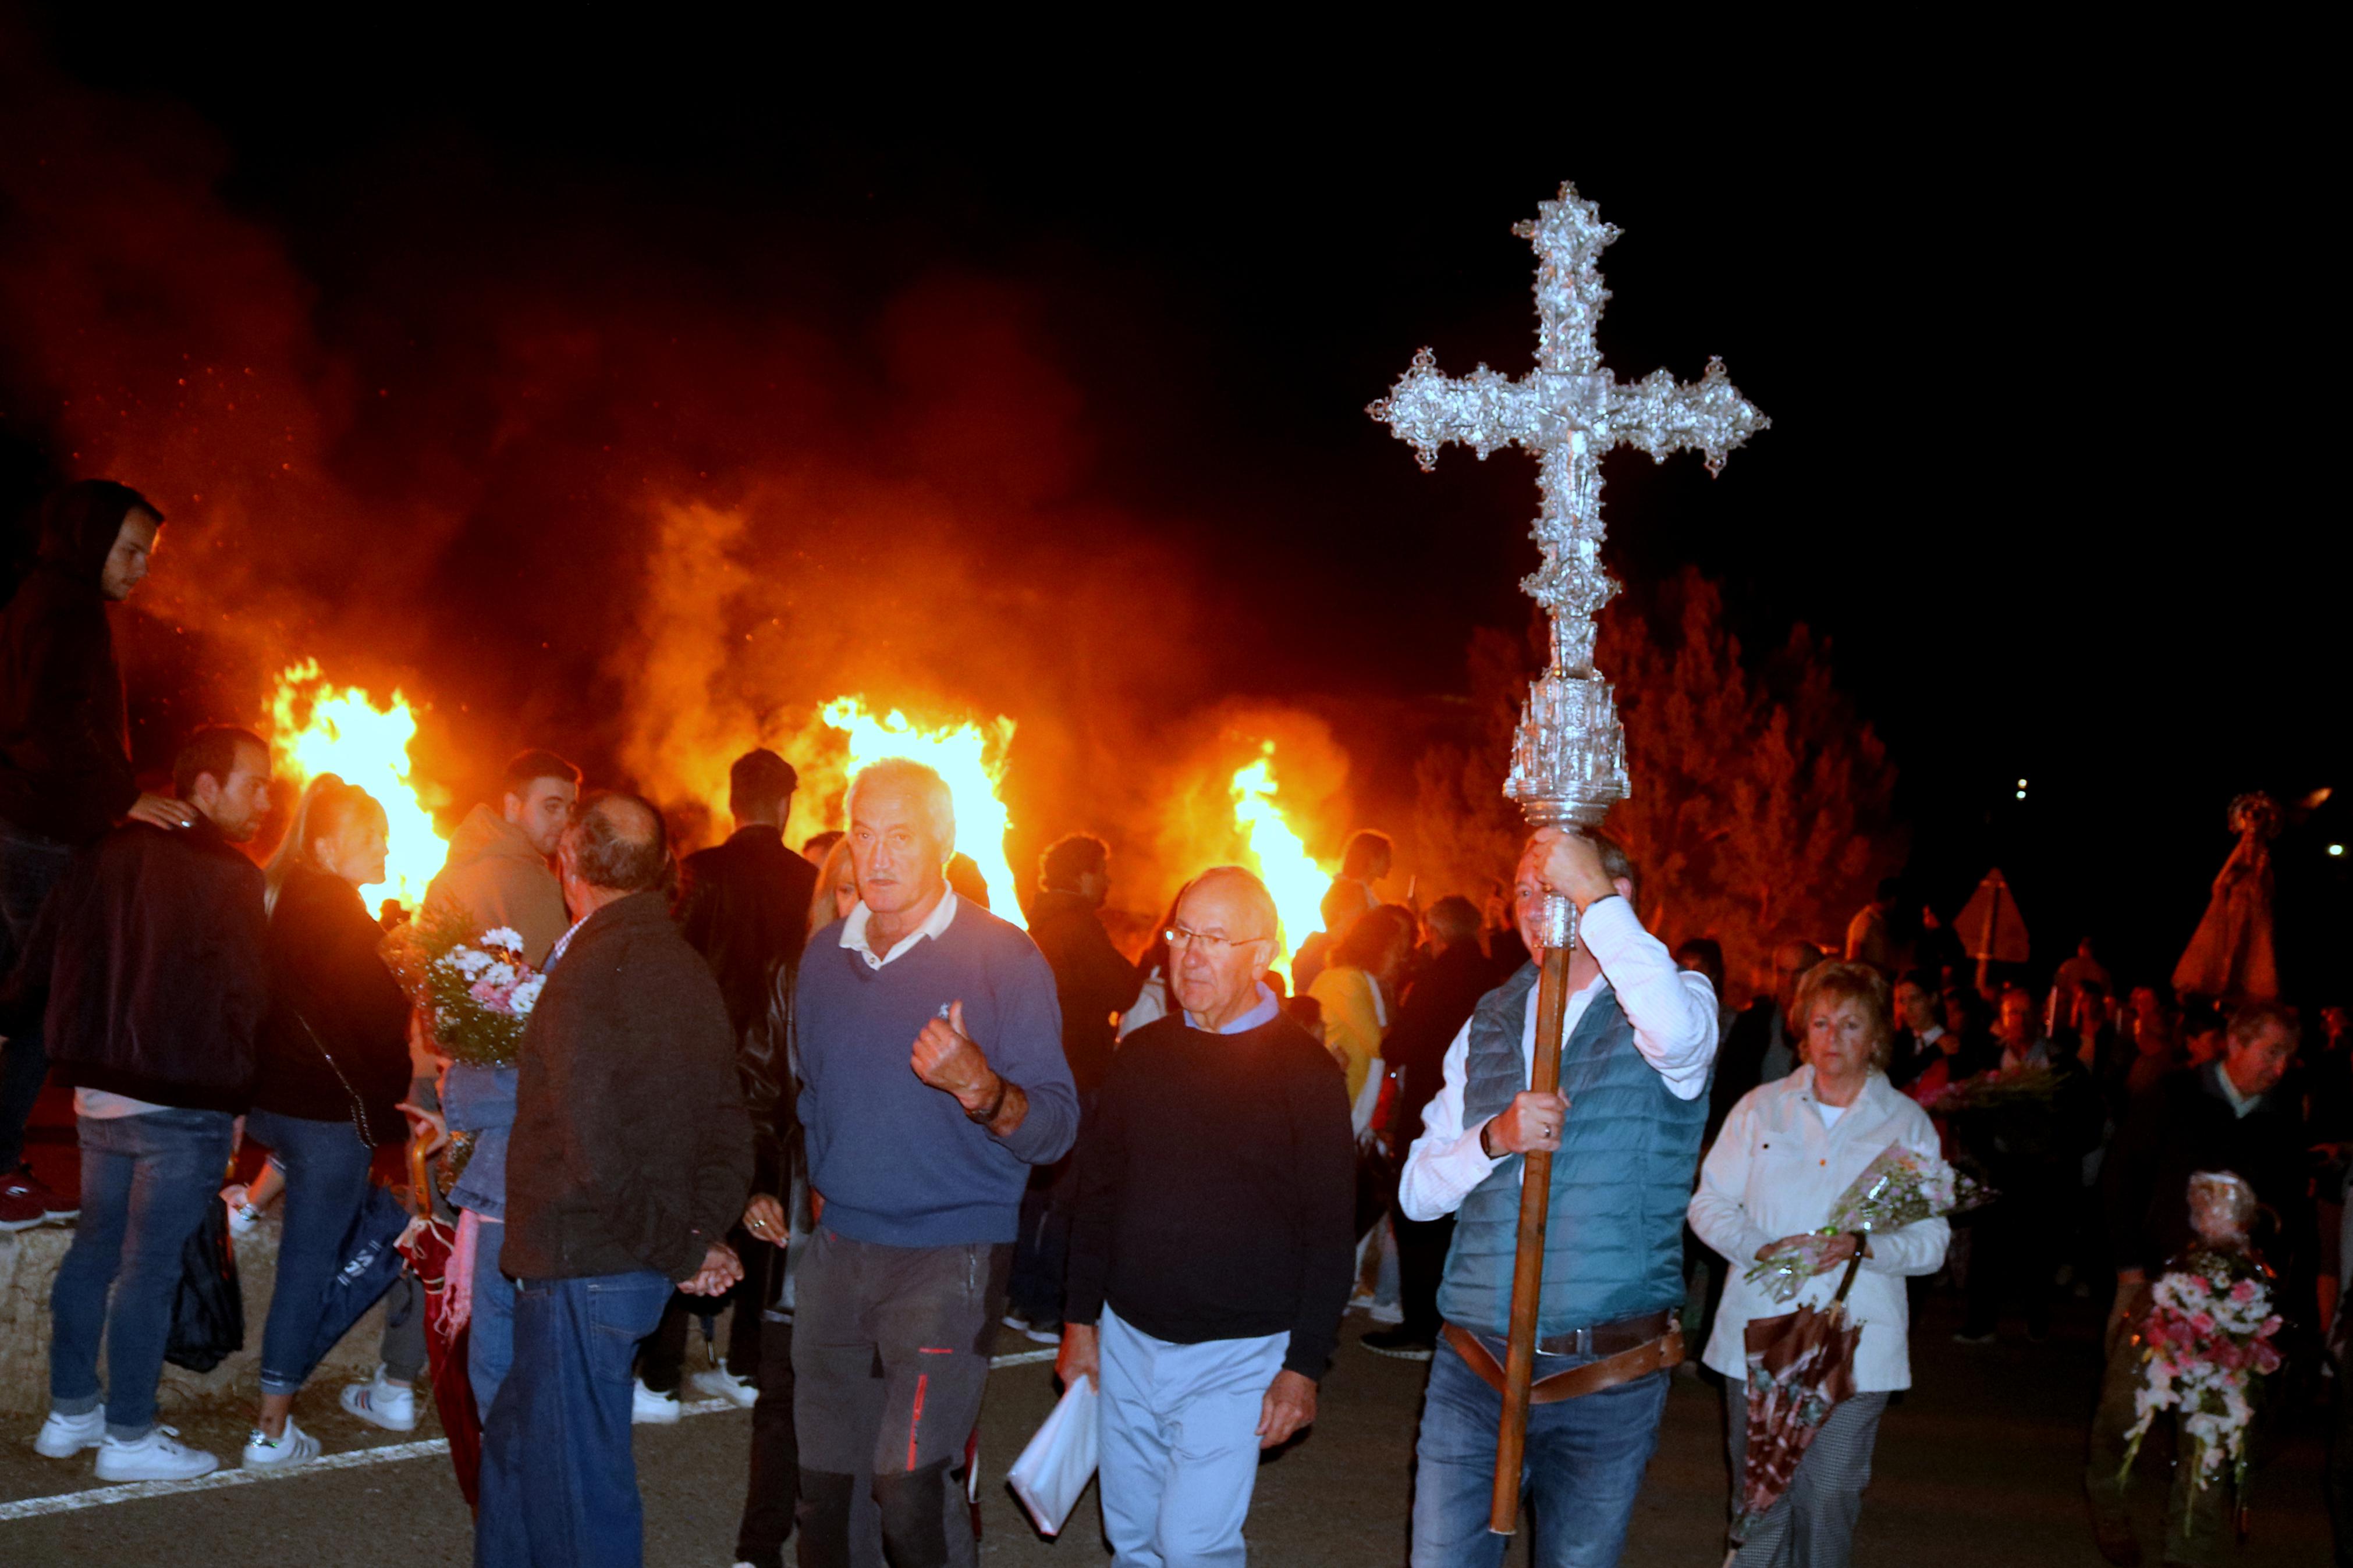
1180	1445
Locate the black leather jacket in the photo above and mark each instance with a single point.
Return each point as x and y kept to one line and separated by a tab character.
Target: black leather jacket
743	906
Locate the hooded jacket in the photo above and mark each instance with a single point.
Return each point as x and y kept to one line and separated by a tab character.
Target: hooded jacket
65	754
498	879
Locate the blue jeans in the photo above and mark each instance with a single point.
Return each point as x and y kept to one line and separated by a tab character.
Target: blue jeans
559	1481
30	866
1585	1463
326	1180
489	1332
145	1180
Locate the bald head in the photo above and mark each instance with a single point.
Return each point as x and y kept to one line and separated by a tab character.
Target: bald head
1225	936
617	843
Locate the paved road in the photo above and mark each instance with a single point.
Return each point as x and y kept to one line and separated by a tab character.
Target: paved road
1978	1465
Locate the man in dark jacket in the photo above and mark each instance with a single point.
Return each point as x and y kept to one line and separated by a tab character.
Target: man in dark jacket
1435	1006
64	758
629	1163
151	951
1761	1048
1094	984
2224	1116
743	905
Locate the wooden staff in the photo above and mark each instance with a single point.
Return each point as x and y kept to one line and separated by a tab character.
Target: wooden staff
1536	1203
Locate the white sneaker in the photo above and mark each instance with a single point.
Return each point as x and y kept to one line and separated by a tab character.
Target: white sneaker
155	1457
649	1408
1389	1312
292	1448
721	1383
382	1404
63	1437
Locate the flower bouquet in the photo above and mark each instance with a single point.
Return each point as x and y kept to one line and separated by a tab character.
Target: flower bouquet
2207	1335
1898	1187
476	989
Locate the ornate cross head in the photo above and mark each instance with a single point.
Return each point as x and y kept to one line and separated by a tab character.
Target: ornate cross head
1568	760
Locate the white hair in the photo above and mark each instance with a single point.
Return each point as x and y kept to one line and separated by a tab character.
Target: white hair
925	782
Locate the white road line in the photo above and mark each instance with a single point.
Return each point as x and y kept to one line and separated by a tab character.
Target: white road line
351	1460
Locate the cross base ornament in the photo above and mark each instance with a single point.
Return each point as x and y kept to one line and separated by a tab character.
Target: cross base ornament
1568	758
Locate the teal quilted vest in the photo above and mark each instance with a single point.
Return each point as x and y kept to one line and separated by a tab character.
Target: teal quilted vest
1621	1180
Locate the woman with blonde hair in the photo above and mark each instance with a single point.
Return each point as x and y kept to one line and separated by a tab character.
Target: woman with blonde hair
837	889
1787	1152
333	1069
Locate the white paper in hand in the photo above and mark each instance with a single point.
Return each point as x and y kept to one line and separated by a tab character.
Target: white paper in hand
1053	1471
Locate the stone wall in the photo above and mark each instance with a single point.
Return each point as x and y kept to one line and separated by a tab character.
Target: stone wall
28	1263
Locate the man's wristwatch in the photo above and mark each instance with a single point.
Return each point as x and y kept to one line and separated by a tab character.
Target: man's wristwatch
988	1113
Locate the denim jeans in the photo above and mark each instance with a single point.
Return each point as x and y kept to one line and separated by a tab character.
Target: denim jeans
489	1332
559	1480
30	866
326	1180
145	1180
1583	1467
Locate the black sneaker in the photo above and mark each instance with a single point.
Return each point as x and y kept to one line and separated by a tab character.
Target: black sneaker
1399	1343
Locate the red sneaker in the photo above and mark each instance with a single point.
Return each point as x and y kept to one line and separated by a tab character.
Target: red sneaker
25	1201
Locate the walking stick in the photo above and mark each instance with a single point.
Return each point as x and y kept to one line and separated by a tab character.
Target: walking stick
1536	1206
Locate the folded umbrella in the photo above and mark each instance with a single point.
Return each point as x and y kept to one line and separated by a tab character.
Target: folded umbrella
1801	1365
372	1261
427	1246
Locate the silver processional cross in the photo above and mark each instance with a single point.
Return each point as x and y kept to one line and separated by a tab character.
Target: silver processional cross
1568	758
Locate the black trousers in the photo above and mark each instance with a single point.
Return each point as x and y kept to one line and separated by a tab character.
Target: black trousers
2016	1253
1421	1247
773	1490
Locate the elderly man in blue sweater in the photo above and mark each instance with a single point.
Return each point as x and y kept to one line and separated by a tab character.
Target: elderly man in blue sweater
931	1081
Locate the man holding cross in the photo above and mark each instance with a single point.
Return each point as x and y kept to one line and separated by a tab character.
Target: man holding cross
1624	1135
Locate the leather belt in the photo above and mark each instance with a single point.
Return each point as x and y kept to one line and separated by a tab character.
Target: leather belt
1629	1349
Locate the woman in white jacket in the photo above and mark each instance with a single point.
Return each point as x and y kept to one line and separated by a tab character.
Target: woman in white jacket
1787	1152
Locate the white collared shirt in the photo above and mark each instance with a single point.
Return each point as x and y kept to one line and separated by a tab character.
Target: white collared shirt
853	930
1775	1171
1673	1013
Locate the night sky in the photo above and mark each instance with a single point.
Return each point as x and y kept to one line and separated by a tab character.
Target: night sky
2046	353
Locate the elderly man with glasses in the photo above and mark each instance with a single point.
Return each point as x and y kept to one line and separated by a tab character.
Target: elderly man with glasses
1214	1239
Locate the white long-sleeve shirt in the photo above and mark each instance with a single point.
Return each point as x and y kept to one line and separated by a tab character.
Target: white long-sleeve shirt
1673	1013
1775	1171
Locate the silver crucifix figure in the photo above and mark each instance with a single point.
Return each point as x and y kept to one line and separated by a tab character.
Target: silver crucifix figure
1569	759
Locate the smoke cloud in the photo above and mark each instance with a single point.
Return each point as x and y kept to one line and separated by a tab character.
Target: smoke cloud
647	485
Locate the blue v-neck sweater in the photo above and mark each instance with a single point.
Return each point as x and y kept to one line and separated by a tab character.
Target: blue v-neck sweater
898	1161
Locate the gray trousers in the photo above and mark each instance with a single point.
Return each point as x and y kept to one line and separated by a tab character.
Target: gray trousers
1812	1525
890	1348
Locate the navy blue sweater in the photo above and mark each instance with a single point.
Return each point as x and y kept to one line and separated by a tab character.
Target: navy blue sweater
898	1161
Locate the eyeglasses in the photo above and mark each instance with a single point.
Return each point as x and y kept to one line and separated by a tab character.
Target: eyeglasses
1213	945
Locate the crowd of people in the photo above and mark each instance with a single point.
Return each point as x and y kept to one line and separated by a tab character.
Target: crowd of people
824	1091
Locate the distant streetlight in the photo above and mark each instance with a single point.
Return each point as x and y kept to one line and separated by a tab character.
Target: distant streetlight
2337	850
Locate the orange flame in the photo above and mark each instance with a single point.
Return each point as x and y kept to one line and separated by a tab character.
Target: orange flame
971	757
317	729
1276	852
